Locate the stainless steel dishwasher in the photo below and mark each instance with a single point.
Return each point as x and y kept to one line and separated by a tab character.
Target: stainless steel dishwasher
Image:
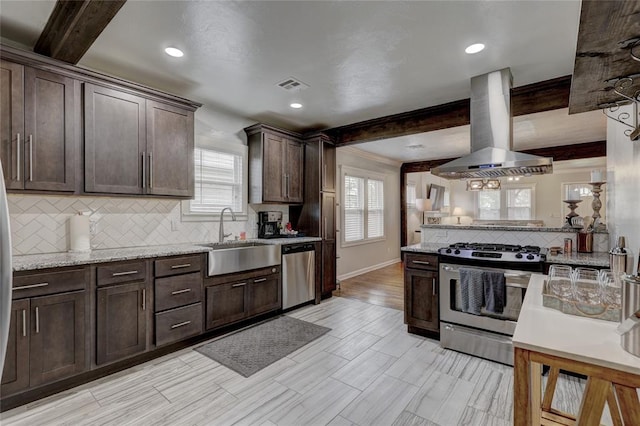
298	274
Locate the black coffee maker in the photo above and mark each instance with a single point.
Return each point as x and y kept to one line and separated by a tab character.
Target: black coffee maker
269	224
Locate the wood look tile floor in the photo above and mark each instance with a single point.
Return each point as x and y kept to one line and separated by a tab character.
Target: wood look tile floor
382	287
366	371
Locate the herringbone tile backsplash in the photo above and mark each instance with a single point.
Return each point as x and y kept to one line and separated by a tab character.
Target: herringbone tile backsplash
39	224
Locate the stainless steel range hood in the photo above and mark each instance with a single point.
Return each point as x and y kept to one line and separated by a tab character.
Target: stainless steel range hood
492	152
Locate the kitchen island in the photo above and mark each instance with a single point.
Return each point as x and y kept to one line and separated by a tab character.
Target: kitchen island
591	347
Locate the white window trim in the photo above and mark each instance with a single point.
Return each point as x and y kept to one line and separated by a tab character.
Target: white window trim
366	174
503	199
230	148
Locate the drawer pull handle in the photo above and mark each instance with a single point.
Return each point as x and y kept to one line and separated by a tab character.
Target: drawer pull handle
239	285
120	274
186	290
260	280
37	320
184	265
25	287
180	324
144	299
421	262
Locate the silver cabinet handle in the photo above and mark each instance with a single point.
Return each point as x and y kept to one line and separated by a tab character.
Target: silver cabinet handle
180	324
144	169
239	285
25	287
18	172
284	186
184	265
433	286
30	158
324	175
325	228
144	299
150	170
37	320
260	280
186	290
421	262
24	323
119	274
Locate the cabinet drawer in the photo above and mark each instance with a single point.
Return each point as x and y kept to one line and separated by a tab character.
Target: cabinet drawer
178	324
122	272
50	282
421	261
178	265
181	290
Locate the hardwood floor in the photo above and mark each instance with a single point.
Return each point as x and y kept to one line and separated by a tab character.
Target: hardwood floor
366	371
382	287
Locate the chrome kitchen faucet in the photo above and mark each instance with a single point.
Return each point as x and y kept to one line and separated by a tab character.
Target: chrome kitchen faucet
222	235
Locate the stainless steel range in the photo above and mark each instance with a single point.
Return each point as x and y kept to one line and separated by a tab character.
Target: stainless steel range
484	331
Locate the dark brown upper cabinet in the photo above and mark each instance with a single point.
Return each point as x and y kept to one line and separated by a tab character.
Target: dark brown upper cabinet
276	161
170	150
136	146
38	129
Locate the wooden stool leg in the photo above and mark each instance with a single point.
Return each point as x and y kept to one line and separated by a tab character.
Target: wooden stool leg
613	407
629	405
521	377
536	393
592	404
552	380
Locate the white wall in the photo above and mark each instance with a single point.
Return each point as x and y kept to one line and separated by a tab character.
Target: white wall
356	259
623	177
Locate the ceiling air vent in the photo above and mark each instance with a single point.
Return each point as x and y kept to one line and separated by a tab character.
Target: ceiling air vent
292	84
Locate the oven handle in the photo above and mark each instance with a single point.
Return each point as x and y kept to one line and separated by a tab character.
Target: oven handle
506	275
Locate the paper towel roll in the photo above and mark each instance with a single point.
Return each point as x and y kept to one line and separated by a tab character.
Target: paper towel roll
79	235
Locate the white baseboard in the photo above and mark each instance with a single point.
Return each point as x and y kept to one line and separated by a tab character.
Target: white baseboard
367	269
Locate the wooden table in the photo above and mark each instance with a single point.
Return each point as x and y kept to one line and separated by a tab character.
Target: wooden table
544	336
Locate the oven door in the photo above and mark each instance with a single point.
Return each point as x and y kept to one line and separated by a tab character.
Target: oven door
451	302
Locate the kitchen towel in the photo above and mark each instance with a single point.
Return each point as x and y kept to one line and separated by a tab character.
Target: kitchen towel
471	290
495	291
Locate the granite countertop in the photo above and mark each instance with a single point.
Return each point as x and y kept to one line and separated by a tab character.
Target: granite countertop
506	228
431	248
588	340
586	259
56	260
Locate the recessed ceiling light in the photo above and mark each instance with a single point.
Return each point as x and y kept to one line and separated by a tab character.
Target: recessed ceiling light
174	51
296	105
474	48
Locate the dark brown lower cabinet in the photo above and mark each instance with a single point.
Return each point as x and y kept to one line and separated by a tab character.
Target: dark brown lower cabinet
46	341
235	297
421	299
328	267
15	375
121	321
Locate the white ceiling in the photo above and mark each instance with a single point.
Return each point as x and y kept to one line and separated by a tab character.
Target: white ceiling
361	59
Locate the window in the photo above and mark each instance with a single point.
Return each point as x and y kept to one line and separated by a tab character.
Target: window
363	211
512	202
410	195
220	176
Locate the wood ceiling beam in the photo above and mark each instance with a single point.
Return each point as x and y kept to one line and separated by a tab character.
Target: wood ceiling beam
602	54
537	97
73	27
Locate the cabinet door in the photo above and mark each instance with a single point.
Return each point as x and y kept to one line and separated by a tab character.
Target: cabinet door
12	123
57	342
15	375
421	299
273	178
169	150
328	266
50	142
328	215
121	321
328	163
115	140
226	303
265	294
294	171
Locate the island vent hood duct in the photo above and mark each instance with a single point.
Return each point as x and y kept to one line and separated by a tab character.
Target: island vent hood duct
492	154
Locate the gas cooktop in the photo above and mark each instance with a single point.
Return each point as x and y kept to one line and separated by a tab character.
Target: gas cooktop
495	252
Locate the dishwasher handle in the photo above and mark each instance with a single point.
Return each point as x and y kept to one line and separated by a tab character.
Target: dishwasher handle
297	248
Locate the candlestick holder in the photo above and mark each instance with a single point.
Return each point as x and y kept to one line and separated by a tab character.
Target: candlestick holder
573	205
596	205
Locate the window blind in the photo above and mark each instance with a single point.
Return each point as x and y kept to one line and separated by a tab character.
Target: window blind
410	195
218	181
519	204
353	208
375	211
